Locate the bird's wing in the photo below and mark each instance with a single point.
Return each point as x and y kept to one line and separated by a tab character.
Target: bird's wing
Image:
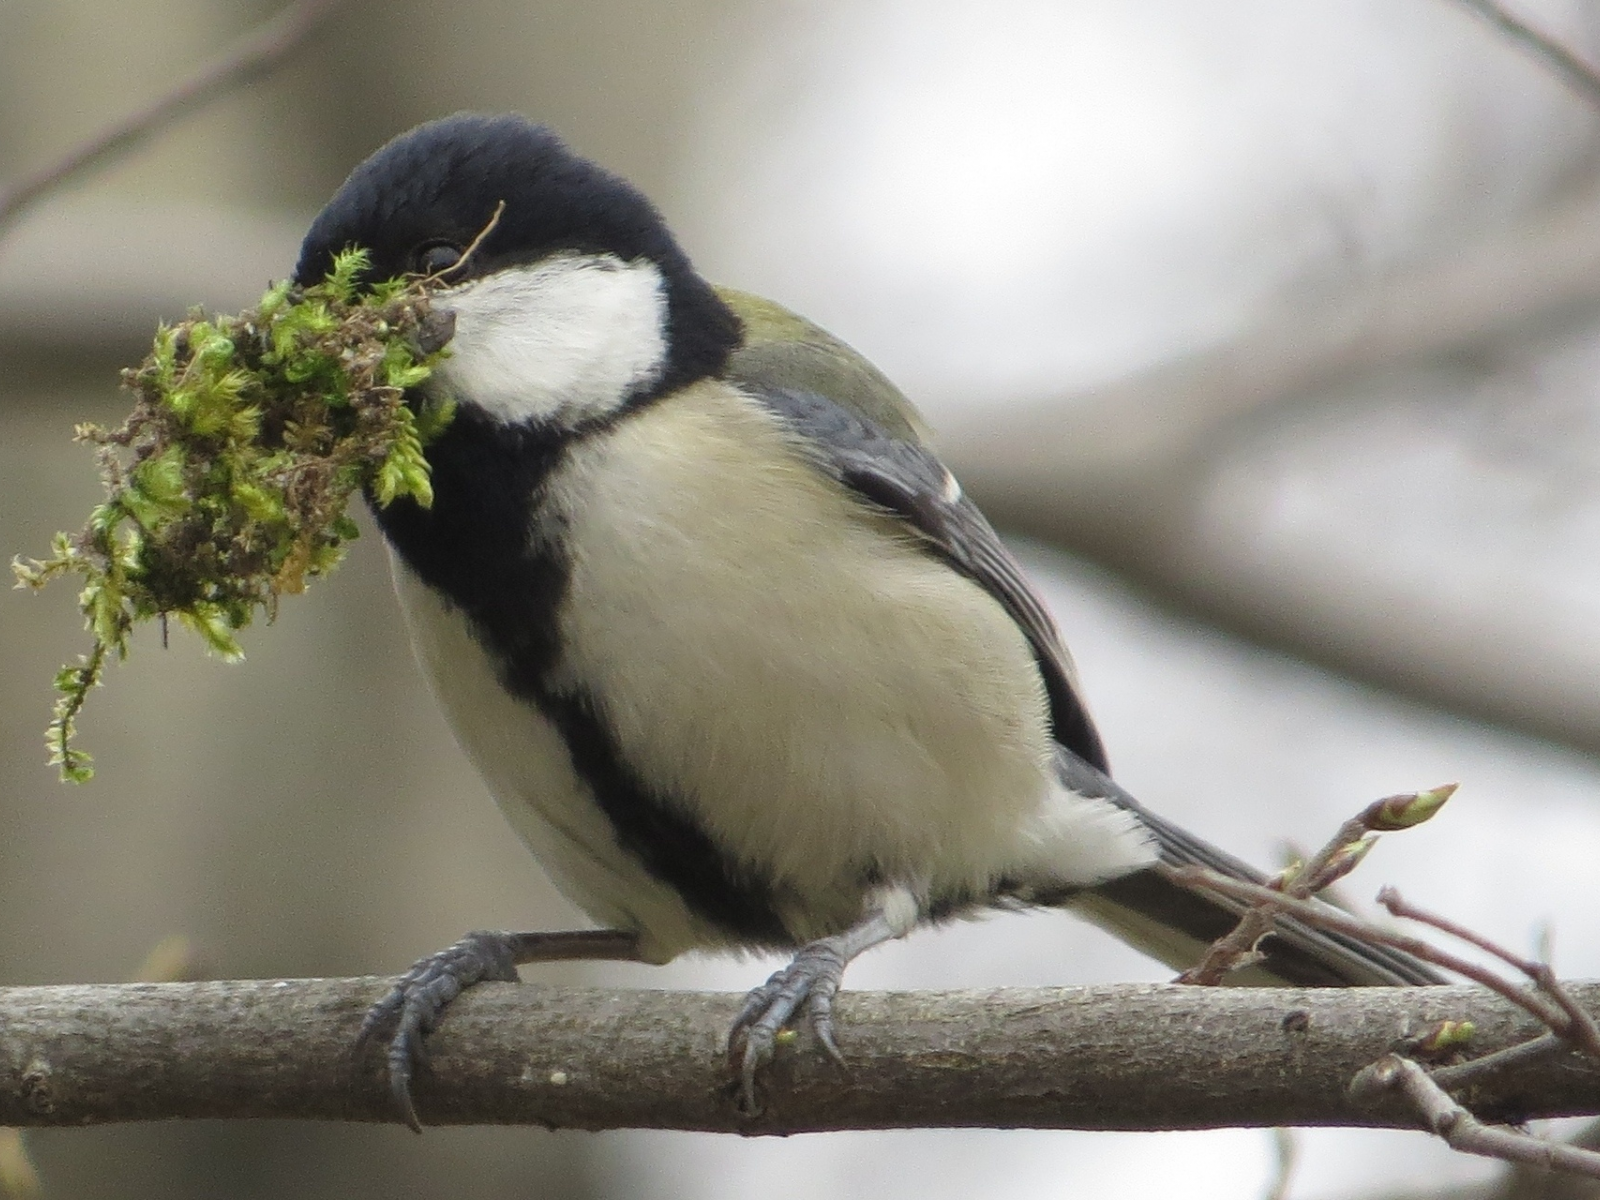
863	431
1170	922
909	481
784	350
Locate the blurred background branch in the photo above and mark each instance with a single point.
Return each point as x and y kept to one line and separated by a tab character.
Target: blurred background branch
1121	473
254	55
1572	69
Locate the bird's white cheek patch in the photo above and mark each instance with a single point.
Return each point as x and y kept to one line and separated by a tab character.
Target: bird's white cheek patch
564	340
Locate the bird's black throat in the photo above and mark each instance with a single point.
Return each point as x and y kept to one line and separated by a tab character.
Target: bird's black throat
492	547
473	545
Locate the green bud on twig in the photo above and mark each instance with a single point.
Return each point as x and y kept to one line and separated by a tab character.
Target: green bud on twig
1406	810
1446	1036
1341	862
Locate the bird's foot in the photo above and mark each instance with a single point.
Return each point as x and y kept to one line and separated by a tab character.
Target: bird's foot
422	994
807	984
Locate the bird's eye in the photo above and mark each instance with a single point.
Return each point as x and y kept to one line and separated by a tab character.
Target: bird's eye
436	257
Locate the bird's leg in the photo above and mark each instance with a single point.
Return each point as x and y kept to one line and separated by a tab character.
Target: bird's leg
807	984
420	996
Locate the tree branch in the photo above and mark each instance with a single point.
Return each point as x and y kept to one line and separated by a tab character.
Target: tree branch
1571	69
254	55
1124	1057
1082	459
1460	1128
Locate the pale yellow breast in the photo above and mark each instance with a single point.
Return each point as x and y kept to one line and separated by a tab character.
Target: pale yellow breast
527	768
827	697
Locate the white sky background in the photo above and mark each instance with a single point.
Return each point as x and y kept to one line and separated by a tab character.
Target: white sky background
1074	189
1003	198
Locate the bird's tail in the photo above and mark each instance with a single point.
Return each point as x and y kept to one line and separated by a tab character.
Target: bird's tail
1175	924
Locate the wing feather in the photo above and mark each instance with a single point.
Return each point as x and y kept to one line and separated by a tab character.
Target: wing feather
907	479
854	426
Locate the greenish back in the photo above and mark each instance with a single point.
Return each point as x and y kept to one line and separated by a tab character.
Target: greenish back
784	350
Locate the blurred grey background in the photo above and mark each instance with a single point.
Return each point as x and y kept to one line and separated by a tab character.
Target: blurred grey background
1280	322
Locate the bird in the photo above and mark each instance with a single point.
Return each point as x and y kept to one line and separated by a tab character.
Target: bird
733	652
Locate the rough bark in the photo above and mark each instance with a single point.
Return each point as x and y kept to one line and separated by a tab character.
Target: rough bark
1123	1057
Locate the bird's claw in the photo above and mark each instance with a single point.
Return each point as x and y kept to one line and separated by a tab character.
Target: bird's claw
807	985
419	998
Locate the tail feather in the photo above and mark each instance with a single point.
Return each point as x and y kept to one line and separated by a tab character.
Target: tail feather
1175	924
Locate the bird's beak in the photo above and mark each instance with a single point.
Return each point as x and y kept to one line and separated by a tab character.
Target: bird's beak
436	330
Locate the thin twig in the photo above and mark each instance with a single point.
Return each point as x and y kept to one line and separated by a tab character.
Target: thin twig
472	247
1569	1023
1234	949
1292	852
255	54
1327	917
1580	1031
1237	948
1576	73
1585	1036
1338	857
1460	1075
1458	1127
1286	1152
1529	1182
1402	908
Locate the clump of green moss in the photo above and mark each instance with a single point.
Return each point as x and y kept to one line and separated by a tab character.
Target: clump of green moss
229	484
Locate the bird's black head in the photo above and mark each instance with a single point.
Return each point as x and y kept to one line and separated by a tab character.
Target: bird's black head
418	202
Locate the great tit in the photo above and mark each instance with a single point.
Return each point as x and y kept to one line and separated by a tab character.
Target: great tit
738	660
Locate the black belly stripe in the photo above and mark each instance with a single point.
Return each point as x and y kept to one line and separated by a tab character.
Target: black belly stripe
658	833
475	547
